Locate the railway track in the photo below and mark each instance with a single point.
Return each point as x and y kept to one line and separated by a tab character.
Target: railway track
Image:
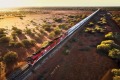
27	71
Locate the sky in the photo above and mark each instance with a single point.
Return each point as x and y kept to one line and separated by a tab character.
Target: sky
45	3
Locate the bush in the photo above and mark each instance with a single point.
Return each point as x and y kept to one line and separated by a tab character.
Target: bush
116	78
63	26
109	35
42	31
57	30
44	44
108	42
4	39
32	42
14	28
83	16
28	31
12	44
90	24
47	27
99	29
90	30
116	72
105	46
2	31
2	35
18	44
57	20
114	53
18	31
10	58
15	44
13	35
28	43
52	35
71	16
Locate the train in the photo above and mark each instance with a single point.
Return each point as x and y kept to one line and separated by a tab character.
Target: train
38	55
52	44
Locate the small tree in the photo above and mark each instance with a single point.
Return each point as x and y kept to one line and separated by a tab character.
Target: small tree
52	34
116	78
57	20
116	72
109	35
114	53
57	30
105	46
10	58
2	31
47	27
4	39
18	44
45	43
26	42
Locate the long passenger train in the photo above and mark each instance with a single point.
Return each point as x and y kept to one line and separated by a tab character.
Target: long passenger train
43	51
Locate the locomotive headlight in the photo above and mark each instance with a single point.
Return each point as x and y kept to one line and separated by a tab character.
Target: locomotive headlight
45	50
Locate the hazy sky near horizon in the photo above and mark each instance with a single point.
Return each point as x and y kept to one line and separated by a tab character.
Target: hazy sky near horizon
43	3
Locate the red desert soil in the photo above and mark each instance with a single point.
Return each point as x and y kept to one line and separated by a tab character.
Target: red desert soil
79	64
39	18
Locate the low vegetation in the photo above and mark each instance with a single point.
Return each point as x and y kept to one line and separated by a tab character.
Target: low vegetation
95	29
10	58
116	73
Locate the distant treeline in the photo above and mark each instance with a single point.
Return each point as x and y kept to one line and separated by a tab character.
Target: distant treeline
70	8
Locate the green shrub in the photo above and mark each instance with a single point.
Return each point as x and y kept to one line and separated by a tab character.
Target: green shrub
2	35
109	35
90	24
114	53
33	42
57	20
13	35
57	30
15	44
16	30
28	31
90	30
105	46
116	78
47	27
83	16
12	44
52	34
63	26
10	58
44	44
42	31
71	16
108	42
2	31
18	44
26	42
4	39
116	72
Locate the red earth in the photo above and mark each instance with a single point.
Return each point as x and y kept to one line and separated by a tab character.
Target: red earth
82	61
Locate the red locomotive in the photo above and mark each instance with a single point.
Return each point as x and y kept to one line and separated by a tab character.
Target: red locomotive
43	51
